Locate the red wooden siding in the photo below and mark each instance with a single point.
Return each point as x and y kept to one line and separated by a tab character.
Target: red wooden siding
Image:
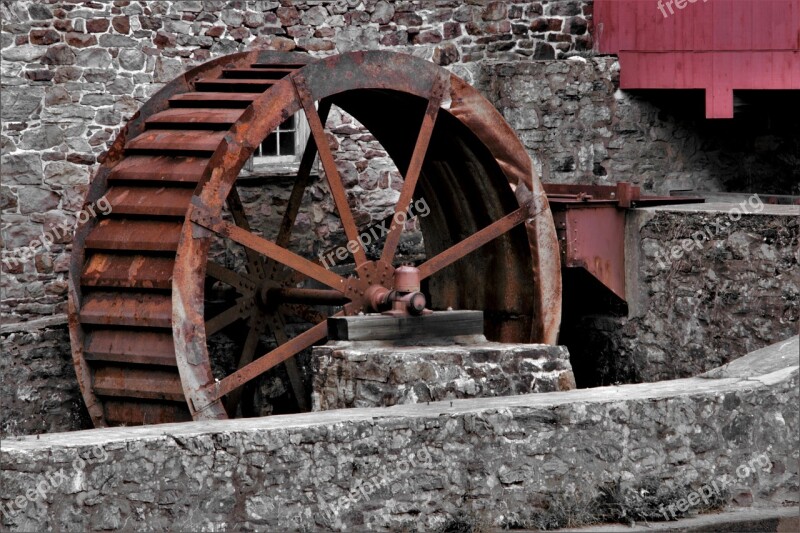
716	45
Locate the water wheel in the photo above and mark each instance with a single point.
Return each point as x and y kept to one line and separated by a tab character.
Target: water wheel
139	321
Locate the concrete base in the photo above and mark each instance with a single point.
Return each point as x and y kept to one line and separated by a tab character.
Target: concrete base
379	374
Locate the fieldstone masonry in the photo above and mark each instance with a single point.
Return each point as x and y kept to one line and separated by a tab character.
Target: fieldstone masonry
498	462
73	72
733	291
379	374
39	391
580	128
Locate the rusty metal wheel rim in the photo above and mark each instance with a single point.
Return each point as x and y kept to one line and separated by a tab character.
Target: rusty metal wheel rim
485	137
318	82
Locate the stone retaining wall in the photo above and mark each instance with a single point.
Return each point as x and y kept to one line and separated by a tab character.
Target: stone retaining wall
490	461
39	391
580	128
693	304
380	374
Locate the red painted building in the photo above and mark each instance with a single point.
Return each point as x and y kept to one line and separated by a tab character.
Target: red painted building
717	45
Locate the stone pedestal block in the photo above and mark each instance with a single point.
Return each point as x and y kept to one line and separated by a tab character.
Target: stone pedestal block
375	374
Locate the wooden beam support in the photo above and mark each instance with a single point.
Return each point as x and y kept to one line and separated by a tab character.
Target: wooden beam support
378	327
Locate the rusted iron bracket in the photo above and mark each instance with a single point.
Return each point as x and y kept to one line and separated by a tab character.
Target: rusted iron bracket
590	224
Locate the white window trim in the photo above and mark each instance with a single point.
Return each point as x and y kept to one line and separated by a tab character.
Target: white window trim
282	164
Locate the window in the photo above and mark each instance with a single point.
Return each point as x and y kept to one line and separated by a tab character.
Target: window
283	148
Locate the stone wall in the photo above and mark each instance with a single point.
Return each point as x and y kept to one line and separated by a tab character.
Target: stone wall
74	72
580	128
517	462
736	289
382	374
39	392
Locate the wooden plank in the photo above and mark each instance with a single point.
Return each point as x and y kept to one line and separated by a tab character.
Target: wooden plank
135	235
132	271
643	36
154	201
127	309
135	413
214	99
135	383
243	85
159	168
374	327
205	116
177	140
743	24
270	73
131	347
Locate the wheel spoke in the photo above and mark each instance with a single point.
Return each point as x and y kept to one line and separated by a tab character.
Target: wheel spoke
228	316
241	283
248	352
255	264
299	188
331	173
414	168
267	361
277	324
303	173
269	249
475	241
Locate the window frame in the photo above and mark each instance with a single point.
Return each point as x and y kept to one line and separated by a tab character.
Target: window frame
285	163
